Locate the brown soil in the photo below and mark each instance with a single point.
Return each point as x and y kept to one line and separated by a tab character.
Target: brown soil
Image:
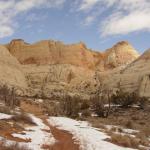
64	139
6	130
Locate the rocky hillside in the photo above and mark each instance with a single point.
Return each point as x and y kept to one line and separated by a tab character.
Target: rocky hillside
50	68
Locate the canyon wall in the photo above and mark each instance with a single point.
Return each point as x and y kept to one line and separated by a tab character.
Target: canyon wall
51	68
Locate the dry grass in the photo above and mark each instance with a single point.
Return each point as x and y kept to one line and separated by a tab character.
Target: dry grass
50	108
124	140
96	122
129	141
132	118
146	131
86	113
5	110
23	117
129	124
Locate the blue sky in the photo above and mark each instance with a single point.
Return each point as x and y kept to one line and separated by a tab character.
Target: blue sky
98	23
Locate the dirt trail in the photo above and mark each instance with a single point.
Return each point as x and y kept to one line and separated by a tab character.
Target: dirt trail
64	139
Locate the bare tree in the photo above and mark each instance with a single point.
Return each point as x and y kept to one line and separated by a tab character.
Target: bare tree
103	95
8	96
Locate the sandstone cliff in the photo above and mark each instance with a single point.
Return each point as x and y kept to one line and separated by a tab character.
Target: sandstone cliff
52	52
120	54
11	71
51	68
135	77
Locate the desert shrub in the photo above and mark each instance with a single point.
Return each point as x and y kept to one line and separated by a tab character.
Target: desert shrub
124	99
143	138
85	104
70	106
124	140
98	103
13	146
8	96
86	113
23	117
5	110
146	131
52	109
129	124
143	102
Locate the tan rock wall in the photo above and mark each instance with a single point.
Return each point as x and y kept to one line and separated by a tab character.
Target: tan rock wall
10	70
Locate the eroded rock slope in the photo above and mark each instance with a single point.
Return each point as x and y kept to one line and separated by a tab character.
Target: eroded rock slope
50	67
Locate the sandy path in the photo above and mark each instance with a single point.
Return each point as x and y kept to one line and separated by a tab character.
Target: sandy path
64	139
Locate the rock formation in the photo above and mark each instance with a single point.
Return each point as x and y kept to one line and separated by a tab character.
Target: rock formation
52	52
120	54
11	72
135	77
50	68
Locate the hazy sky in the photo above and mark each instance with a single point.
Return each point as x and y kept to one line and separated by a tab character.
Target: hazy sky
98	23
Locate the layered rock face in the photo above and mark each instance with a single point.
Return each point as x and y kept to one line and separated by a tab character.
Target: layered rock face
52	80
120	54
51	68
139	72
11	72
51	52
135	77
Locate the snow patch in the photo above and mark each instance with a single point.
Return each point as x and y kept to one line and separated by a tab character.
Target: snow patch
37	135
88	137
5	116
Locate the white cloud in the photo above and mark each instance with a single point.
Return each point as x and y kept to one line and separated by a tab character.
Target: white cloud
5	31
9	9
120	24
88	4
88	20
123	16
129	16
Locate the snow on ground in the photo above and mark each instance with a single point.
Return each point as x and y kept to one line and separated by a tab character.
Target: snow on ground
37	135
89	138
124	130
5	116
